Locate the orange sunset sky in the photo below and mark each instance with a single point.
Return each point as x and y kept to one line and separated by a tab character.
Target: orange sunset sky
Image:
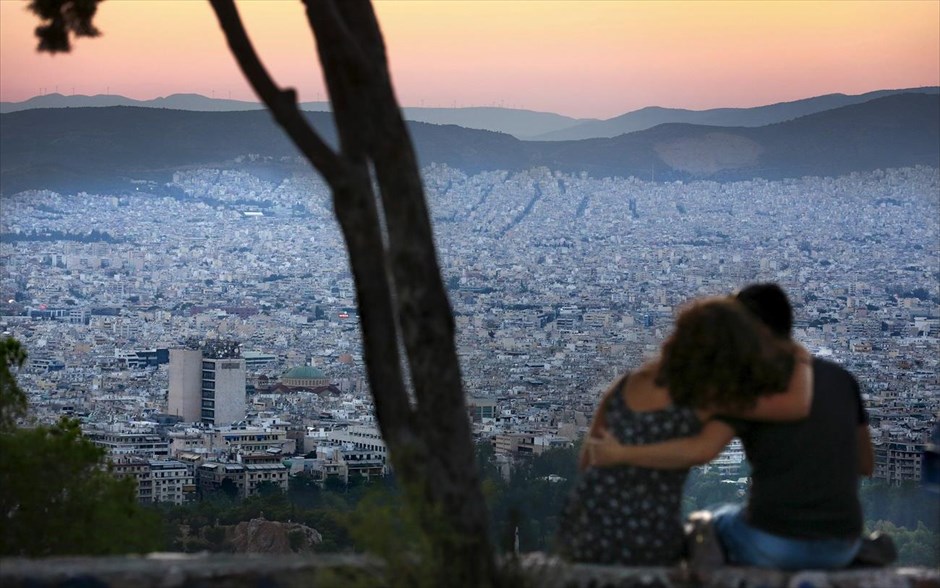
583	59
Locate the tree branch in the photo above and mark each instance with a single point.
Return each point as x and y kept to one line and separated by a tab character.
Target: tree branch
326	20
348	76
281	103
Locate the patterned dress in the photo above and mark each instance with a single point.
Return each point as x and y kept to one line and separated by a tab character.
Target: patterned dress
629	515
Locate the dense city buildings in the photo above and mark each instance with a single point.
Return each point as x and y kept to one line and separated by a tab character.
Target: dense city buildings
558	282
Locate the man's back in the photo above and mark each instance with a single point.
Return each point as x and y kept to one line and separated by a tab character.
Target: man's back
805	474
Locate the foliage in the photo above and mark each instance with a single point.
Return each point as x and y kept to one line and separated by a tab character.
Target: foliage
369	516
56	495
529	502
707	491
188	527
905	505
57	498
12	399
61	19
385	525
917	547
907	512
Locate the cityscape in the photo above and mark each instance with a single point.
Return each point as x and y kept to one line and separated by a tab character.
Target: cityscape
206	333
469	293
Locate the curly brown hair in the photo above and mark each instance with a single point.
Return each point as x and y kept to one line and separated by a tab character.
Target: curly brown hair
721	357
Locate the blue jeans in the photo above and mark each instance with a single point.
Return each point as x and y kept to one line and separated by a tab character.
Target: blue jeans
748	546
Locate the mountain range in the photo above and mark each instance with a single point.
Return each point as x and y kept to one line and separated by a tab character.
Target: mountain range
99	149
758	116
517	122
520	123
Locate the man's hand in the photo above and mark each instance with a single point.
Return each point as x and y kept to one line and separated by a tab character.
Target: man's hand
604	450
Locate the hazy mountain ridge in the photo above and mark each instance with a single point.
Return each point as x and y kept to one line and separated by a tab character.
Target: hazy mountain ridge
646	118
102	148
515	121
520	123
894	131
195	102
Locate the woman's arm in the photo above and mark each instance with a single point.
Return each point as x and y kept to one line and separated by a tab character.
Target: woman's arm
598	423
679	453
790	405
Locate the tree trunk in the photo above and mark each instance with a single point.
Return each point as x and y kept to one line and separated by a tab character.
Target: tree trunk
398	283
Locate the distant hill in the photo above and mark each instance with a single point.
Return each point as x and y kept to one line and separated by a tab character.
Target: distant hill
520	123
196	102
894	131
647	118
517	122
101	149
71	149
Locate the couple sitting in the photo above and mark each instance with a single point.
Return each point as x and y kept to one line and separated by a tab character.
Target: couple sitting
723	373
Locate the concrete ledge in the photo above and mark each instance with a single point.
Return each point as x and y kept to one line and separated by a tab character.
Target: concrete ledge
171	570
177	570
549	572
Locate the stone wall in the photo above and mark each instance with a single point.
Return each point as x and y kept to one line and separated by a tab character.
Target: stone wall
171	570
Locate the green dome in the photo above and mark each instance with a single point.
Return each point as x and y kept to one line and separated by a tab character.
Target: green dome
304	372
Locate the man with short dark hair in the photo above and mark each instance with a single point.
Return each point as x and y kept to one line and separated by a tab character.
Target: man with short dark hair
803	509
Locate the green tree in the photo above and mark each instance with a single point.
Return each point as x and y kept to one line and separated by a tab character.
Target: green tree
12	399
268	489
531	500
904	505
56	495
917	547
707	490
58	498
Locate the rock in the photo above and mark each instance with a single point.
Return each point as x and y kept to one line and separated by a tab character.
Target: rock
263	536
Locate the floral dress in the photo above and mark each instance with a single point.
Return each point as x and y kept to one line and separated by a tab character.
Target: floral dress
629	515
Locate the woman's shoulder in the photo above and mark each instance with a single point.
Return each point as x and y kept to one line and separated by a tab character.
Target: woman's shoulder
648	369
642	394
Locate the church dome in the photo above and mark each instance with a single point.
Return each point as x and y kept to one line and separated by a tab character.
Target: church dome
304	376
305	372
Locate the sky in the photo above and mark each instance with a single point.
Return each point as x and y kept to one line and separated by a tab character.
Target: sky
583	59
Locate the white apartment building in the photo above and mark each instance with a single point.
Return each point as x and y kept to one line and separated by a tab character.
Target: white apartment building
728	462
158	480
171	481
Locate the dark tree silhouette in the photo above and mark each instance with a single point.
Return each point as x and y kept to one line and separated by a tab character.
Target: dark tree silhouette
62	18
12	398
401	297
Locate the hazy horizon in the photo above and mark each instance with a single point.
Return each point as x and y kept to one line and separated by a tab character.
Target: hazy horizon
584	60
467	106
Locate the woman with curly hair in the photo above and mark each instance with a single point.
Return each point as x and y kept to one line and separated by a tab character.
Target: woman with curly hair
718	360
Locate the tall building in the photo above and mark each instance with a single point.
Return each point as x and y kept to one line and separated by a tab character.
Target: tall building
185	395
208	384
